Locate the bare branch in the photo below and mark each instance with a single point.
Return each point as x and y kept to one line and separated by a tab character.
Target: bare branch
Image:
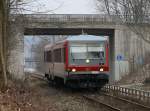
130	12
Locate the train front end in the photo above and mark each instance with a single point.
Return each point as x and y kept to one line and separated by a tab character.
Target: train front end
87	62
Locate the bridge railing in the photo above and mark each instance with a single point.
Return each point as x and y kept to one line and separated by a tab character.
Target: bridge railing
128	92
78	18
69	18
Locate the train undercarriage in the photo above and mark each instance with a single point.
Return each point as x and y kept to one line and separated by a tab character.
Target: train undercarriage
81	80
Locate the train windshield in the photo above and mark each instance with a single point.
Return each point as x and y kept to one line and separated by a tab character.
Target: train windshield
87	54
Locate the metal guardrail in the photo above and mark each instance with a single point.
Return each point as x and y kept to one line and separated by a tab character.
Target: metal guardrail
134	93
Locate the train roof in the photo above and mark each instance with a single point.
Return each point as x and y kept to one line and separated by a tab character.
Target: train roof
48	45
79	38
87	38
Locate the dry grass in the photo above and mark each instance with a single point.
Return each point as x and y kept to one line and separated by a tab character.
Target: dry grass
22	98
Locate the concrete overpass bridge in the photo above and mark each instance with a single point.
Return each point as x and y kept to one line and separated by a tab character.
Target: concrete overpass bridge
120	37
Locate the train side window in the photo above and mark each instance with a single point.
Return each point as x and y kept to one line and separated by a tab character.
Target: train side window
57	55
63	55
48	56
44	56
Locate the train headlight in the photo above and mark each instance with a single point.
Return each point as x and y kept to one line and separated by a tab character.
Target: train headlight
73	70
87	60
101	69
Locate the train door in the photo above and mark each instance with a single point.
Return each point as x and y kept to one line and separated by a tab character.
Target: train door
48	63
52	66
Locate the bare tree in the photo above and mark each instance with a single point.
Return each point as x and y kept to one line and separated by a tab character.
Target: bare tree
135	14
8	7
5	7
3	34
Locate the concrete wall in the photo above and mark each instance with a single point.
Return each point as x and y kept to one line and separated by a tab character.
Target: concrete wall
124	45
130	51
15	60
121	61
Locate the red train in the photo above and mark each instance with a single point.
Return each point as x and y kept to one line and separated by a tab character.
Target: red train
79	61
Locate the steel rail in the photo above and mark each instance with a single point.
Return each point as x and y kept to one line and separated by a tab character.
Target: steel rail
101	103
38	76
126	100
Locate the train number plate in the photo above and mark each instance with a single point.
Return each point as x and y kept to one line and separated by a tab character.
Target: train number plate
95	72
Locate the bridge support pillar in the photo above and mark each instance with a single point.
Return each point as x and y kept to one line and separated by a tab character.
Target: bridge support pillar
15	60
121	53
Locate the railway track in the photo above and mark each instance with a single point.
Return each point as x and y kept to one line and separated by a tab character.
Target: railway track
108	101
38	76
112	103
127	101
107	106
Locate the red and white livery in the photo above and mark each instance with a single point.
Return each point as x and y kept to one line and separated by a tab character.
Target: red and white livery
78	61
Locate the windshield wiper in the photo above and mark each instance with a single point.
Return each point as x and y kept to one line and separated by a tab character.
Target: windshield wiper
101	62
72	57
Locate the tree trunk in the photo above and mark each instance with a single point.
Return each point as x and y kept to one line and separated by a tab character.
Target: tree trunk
3	77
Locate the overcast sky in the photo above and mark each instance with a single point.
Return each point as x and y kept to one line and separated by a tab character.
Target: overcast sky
64	6
58	7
